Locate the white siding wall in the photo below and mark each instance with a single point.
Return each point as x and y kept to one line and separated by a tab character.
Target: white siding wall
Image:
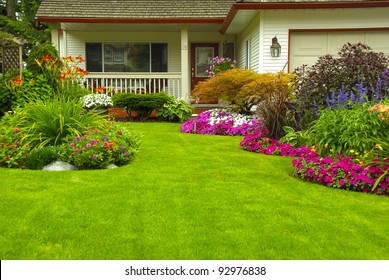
252	34
280	22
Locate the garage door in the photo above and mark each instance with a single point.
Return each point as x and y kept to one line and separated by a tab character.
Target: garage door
306	47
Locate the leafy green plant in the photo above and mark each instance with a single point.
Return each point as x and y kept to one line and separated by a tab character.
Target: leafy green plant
175	110
141	104
350	132
36	53
42	156
357	64
99	147
51	121
293	137
14	148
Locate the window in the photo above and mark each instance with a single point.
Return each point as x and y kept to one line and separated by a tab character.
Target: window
248	51
126	57
229	50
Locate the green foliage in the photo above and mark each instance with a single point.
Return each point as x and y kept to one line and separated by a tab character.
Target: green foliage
316	83
175	110
37	52
52	120
351	132
42	156
99	147
142	104
293	137
13	146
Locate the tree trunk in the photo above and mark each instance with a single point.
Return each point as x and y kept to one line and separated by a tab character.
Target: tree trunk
11	11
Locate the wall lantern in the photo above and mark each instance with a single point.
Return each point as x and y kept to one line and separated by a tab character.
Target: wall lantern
275	48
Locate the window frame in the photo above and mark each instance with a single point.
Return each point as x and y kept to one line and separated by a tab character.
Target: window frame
115	58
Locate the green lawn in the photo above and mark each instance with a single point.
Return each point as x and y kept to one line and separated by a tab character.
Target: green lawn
187	197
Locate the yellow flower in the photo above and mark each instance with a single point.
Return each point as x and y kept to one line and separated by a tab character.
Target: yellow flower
351	151
379	147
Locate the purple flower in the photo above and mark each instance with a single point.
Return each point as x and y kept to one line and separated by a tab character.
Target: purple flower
95	156
93	141
77	139
71	144
125	154
76	150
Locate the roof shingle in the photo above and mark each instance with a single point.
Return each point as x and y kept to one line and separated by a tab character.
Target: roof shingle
134	9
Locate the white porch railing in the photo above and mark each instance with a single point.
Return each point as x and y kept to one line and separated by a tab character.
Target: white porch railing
135	83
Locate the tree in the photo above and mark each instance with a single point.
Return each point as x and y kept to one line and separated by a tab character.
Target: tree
18	19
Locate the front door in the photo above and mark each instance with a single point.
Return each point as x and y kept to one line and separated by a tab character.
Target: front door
201	60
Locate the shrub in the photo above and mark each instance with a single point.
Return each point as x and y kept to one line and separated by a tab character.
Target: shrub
350	132
227	87
99	147
36	53
175	110
42	156
357	64
272	93
14	148
222	122
142	104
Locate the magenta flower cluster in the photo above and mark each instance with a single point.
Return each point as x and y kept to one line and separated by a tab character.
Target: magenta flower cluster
220	122
258	142
343	172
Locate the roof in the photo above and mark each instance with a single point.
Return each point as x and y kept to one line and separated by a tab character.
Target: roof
132	10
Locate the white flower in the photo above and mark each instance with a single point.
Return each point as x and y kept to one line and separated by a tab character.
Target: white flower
97	100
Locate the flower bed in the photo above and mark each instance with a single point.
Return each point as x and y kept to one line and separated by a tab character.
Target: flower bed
343	172
223	122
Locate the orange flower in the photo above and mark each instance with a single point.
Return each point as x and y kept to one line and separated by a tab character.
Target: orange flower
17	81
99	89
46	58
80	58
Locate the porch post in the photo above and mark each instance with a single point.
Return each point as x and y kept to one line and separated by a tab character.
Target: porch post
184	63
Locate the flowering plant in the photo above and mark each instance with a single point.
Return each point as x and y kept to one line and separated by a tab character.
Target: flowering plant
98	148
223	122
97	100
257	142
344	172
13	147
220	64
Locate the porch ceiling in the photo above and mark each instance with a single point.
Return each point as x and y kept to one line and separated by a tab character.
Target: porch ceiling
210	27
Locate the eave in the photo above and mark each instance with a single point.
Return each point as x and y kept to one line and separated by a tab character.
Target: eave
130	20
258	6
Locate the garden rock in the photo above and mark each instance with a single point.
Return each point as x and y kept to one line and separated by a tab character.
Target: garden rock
59	166
111	166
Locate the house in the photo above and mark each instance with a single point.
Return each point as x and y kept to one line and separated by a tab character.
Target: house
154	45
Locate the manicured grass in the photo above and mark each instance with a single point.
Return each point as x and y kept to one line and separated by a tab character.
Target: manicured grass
187	197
